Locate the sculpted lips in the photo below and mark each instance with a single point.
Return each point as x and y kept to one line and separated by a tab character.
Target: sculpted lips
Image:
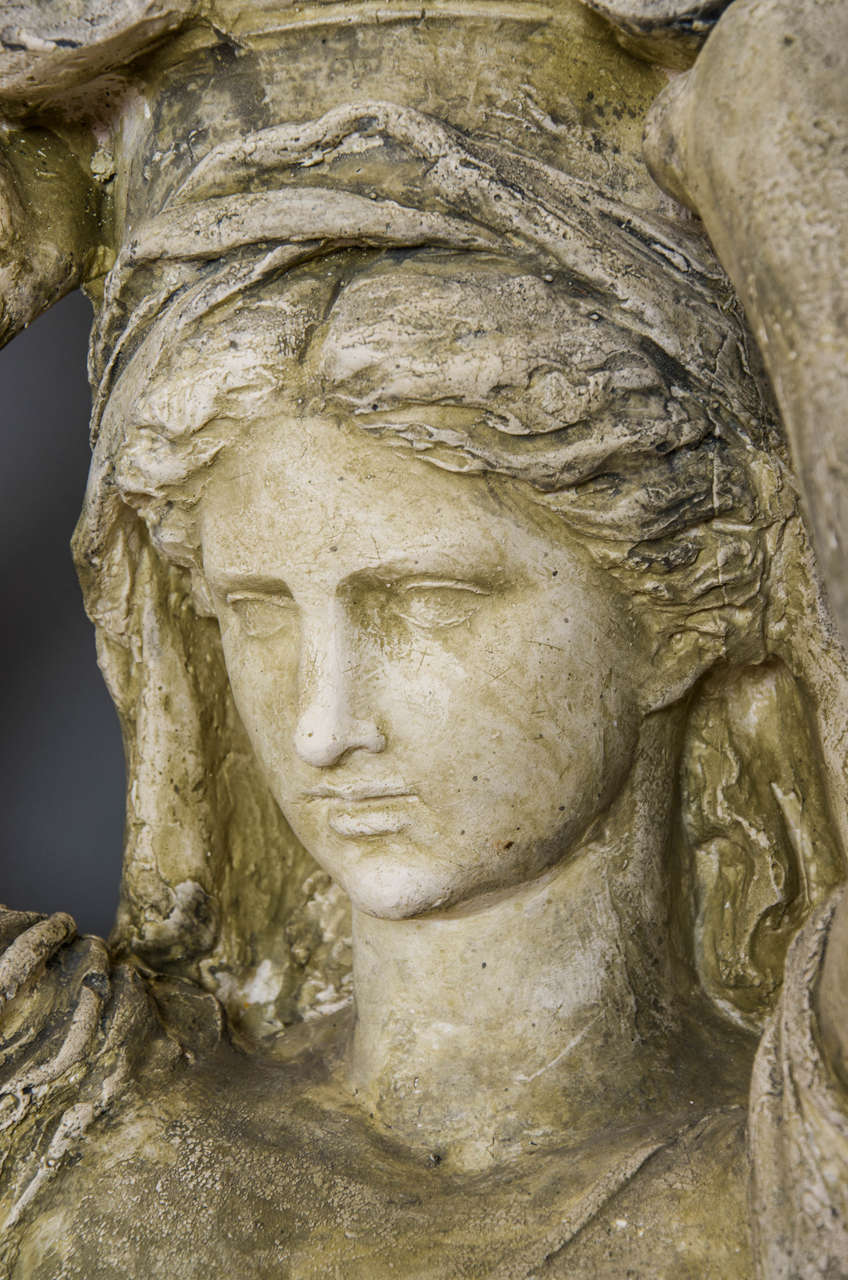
360	810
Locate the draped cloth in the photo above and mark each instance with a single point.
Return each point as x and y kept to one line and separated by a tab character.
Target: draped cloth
91	1028
253	207
242	214
798	1129
250	210
235	219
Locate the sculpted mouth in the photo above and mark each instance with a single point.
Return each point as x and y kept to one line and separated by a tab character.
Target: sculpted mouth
368	822
365	809
357	792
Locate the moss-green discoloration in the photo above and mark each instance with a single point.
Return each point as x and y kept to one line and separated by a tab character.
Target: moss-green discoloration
440	535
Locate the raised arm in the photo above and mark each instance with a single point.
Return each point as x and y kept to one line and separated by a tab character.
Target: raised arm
755	139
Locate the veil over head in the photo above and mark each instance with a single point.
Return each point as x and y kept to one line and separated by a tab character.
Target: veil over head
318	139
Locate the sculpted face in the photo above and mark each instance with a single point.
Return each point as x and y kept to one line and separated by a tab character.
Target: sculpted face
440	696
442	691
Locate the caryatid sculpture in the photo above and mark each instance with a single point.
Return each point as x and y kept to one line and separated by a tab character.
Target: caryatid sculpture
484	718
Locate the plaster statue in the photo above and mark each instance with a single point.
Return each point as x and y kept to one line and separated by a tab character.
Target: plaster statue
484	717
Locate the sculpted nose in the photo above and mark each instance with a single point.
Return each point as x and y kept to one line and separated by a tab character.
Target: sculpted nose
325	733
327	728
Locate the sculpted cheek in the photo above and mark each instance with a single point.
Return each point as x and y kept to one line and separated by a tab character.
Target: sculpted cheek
264	691
423	688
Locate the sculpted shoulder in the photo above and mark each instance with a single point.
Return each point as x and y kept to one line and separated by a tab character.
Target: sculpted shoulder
257	1166
683	1217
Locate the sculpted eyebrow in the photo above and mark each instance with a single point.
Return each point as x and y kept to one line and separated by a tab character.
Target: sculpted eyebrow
225	583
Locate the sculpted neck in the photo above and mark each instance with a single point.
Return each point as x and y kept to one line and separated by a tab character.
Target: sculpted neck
543	1015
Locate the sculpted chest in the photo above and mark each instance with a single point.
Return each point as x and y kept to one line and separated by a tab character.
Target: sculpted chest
264	1171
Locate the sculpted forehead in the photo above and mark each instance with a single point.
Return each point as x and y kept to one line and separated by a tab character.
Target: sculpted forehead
412	347
298	490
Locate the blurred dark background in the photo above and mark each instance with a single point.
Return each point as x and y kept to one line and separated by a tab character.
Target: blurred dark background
61	763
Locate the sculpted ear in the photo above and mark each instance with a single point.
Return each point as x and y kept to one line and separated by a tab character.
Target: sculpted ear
201	595
680	657
677	663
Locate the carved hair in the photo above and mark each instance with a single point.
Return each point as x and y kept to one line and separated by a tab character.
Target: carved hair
604	428
667	494
652	440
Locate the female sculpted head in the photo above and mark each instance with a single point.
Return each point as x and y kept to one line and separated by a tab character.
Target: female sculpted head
438	690
491	311
459	633
466	540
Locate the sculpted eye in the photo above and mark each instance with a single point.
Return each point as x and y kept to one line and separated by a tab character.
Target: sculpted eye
260	615
433	605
